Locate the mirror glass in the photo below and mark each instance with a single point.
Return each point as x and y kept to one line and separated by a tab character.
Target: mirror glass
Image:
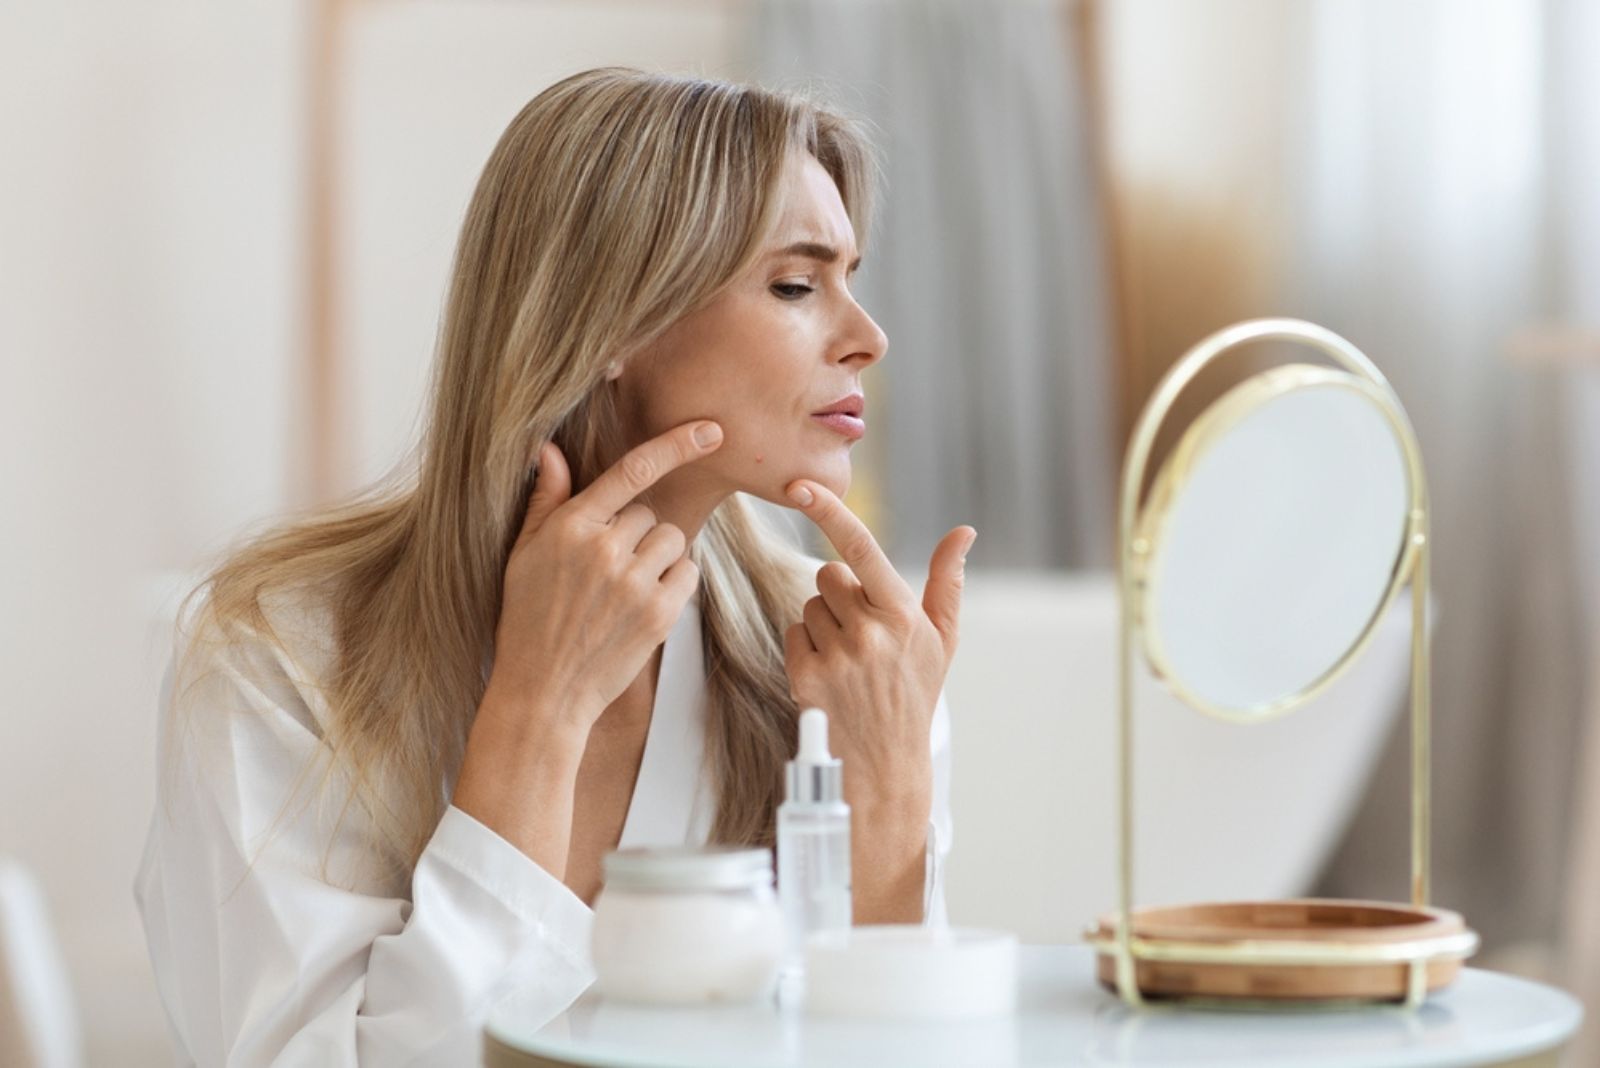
1275	531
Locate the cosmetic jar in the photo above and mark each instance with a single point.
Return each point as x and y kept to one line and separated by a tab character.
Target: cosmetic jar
687	925
911	972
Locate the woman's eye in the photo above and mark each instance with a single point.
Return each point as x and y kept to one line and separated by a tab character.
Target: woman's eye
790	290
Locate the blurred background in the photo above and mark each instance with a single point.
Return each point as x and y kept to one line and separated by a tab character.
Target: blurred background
225	231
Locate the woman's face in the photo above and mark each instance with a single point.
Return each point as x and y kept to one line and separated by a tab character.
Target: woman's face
783	341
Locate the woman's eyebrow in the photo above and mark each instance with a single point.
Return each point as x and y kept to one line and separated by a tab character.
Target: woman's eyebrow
814	250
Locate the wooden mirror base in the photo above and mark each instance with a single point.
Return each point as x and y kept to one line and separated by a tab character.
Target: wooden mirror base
1320	920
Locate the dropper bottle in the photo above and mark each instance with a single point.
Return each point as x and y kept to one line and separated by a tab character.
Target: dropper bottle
813	843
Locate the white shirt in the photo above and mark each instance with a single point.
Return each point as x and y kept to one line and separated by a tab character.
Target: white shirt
270	963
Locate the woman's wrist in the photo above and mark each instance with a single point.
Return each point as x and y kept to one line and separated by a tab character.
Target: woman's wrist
899	794
532	723
901	815
889	811
518	778
888	864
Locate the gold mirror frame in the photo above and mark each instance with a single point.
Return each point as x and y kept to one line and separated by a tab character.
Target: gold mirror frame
1137	532
1208	428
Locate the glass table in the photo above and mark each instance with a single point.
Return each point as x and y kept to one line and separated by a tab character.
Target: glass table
1063	1018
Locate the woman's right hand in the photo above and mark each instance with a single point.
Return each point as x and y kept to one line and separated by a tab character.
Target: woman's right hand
593	584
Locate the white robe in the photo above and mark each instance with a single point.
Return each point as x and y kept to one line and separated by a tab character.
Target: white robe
271	963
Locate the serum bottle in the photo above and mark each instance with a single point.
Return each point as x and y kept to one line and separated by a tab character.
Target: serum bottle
813	844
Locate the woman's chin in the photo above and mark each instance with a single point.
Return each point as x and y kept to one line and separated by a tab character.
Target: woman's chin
835	477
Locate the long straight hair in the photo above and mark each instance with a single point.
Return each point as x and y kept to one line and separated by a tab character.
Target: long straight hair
616	202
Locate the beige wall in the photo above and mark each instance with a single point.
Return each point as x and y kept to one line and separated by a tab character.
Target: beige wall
147	211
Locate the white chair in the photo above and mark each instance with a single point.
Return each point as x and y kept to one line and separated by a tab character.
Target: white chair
38	1015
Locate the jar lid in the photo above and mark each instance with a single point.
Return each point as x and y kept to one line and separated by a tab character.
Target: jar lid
688	868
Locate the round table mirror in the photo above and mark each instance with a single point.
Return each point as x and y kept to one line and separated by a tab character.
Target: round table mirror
1272	540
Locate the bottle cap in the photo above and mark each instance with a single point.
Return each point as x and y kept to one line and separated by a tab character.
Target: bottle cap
814	775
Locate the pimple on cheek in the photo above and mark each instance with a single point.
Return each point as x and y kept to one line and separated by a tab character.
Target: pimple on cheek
759	457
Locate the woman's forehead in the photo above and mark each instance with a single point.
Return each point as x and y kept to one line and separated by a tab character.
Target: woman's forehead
813	212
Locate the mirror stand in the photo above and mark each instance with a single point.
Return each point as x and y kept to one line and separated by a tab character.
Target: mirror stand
1293	952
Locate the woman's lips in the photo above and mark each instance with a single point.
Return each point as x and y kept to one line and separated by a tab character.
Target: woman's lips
852	427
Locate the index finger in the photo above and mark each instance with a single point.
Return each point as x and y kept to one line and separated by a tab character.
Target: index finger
860	550
644	465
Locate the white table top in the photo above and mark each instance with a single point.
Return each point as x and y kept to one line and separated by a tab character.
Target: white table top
1065	1017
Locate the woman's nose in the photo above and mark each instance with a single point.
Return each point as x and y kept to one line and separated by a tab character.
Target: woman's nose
868	343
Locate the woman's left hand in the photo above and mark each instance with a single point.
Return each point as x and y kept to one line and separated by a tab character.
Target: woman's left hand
873	657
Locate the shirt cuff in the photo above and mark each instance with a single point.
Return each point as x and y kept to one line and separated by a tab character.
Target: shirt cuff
931	872
530	892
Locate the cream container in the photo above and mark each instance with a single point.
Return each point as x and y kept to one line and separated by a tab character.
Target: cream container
911	972
687	926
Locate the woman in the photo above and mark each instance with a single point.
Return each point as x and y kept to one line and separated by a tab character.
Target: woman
400	736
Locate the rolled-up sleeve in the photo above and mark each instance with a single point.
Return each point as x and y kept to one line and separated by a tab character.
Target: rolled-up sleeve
275	935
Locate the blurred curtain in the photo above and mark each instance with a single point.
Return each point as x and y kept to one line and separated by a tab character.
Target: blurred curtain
1433	188
986	267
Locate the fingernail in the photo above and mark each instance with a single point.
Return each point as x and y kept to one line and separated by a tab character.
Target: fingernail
968	549
707	434
800	495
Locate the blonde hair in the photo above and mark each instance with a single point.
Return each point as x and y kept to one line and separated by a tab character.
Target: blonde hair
616	202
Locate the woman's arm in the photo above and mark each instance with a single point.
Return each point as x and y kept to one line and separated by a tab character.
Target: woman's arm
261	960
875	657
888	859
899	851
941	824
519	776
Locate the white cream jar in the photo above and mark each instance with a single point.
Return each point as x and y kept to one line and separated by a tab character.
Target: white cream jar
686	926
